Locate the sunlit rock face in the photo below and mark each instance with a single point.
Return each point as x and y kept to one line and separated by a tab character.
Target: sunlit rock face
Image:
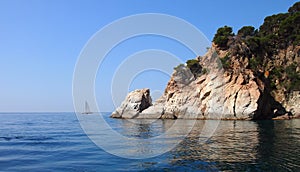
135	102
214	92
293	103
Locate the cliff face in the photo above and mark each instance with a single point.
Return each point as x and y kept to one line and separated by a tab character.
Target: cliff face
284	70
252	75
213	93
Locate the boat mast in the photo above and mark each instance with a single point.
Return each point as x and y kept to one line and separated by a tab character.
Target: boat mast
86	107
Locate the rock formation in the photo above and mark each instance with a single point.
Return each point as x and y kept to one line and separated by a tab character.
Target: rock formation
293	103
216	94
252	75
135	102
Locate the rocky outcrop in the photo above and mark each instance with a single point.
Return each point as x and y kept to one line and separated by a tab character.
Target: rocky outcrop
284	61
293	105
135	102
252	75
215	94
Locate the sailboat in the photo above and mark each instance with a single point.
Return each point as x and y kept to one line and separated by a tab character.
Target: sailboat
86	108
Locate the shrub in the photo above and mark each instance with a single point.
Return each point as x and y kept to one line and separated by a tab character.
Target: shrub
192	63
295	8
294	77
289	29
225	61
179	66
247	31
271	24
277	72
253	44
221	38
194	66
204	71
253	63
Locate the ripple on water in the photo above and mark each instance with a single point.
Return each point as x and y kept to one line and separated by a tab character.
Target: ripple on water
55	142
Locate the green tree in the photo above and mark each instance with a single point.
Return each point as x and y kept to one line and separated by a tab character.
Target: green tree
194	66
295	8
289	29
222	36
225	61
246	31
271	24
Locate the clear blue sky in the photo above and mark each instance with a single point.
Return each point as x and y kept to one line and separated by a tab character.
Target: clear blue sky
40	41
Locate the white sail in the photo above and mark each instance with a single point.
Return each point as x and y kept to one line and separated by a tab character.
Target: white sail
86	108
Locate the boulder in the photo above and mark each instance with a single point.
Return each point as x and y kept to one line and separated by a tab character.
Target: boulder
134	103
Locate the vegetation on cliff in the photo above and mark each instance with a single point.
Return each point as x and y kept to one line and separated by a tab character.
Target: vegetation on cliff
253	74
269	51
222	37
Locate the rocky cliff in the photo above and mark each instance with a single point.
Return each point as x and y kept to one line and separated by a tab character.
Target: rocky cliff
135	102
252	75
213	93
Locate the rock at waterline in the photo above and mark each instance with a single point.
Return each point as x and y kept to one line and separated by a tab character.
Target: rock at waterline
134	103
213	95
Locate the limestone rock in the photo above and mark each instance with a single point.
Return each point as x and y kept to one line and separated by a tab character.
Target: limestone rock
292	104
153	112
214	94
135	102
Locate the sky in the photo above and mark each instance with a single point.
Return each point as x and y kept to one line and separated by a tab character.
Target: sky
41	40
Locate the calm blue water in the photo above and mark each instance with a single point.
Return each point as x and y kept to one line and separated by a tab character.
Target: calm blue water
56	142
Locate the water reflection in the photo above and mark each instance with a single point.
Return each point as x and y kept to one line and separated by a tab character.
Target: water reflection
172	132
137	139
243	145
56	142
279	145
234	146
232	142
140	128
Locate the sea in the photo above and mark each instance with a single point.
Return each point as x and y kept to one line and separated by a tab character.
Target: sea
61	142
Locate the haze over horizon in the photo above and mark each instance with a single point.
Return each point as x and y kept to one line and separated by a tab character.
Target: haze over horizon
40	42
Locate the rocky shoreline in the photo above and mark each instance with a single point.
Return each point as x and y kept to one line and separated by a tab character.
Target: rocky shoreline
251	75
215	94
